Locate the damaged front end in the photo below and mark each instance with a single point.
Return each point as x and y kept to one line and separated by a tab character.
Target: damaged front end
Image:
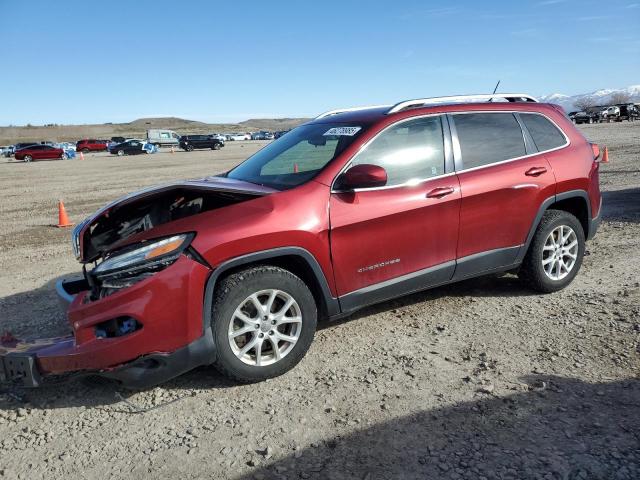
136	313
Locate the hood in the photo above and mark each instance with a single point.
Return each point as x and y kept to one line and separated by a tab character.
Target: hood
146	209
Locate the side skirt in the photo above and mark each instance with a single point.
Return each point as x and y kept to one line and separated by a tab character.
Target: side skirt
484	263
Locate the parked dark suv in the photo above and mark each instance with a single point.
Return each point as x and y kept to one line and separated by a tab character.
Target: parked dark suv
193	142
353	208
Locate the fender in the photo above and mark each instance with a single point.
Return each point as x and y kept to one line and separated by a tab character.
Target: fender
330	303
545	206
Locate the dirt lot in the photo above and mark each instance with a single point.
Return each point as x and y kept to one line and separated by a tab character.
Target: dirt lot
480	380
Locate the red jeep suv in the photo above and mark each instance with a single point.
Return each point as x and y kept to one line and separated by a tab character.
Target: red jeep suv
355	207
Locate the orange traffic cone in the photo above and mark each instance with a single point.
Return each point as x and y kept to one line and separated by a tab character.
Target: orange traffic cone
81	156
605	155
63	218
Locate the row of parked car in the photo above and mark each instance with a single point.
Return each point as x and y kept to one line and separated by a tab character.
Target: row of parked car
607	113
120	146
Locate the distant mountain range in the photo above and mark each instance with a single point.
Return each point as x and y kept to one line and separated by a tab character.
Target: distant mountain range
599	97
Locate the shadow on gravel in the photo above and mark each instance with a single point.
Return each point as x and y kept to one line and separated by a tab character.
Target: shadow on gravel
561	429
621	205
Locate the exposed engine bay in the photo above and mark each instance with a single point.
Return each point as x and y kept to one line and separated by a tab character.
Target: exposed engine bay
148	211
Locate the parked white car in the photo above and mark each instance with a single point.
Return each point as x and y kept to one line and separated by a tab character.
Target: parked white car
239	136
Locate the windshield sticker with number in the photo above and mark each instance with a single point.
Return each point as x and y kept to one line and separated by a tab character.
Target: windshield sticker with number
342	131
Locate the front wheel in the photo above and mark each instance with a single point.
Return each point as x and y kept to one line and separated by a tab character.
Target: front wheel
216	146
64	156
555	254
85	150
263	320
28	158
120	153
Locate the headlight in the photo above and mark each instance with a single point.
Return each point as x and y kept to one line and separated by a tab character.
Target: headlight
157	253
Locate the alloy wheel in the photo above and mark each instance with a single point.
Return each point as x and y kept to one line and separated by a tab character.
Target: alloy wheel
560	252
265	327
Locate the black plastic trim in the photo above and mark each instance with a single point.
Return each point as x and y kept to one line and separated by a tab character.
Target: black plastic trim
491	260
331	303
449	166
397	287
150	370
68	288
594	223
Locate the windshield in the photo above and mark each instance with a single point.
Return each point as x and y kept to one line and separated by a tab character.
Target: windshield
297	156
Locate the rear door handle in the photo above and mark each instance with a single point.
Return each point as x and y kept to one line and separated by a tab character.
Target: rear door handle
440	192
536	171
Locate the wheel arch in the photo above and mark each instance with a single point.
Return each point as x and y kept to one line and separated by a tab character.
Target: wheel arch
575	202
295	259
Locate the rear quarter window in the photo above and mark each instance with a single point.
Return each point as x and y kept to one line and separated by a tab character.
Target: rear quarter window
545	134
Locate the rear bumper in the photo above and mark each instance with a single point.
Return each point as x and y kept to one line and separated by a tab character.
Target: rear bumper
172	340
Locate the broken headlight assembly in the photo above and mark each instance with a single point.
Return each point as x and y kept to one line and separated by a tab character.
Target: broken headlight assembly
136	263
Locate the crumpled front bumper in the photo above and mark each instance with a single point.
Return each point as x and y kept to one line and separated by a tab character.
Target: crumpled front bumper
173	338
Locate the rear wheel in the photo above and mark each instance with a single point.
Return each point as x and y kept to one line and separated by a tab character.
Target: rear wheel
63	156
216	146
189	148
120	153
28	158
555	254
263	320
85	150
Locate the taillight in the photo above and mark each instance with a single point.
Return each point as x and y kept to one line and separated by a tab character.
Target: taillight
596	151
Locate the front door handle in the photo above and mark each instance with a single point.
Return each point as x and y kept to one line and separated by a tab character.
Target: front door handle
440	192
536	171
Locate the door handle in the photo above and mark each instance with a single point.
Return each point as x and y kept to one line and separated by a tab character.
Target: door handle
440	192
536	171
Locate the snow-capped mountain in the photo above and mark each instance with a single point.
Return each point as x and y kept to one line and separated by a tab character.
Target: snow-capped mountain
599	97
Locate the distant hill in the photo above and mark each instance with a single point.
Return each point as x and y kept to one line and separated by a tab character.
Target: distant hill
138	128
604	96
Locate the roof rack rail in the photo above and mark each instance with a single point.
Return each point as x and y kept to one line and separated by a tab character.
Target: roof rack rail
352	109
510	97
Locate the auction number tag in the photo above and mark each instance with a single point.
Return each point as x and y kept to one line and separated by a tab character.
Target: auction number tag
342	131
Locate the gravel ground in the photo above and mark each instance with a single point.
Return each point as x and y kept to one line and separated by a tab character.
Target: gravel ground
479	380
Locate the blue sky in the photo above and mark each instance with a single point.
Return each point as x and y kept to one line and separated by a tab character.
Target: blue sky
84	62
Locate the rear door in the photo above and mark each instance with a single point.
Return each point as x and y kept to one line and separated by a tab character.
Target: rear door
401	236
503	181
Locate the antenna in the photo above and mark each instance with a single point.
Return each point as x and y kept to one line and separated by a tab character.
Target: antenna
494	91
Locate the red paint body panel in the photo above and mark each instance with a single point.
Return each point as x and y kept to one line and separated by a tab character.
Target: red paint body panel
169	306
502	200
400	227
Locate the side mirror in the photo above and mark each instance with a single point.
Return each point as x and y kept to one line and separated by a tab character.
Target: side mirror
362	176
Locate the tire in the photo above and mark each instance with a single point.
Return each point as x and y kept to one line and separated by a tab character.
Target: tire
591	120
63	156
533	272
232	294
120	153
216	146
28	158
189	148
85	150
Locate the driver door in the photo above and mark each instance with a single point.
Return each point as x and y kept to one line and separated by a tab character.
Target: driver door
402	237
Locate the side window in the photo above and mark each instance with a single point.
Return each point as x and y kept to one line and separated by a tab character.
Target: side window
487	138
545	134
164	135
409	151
